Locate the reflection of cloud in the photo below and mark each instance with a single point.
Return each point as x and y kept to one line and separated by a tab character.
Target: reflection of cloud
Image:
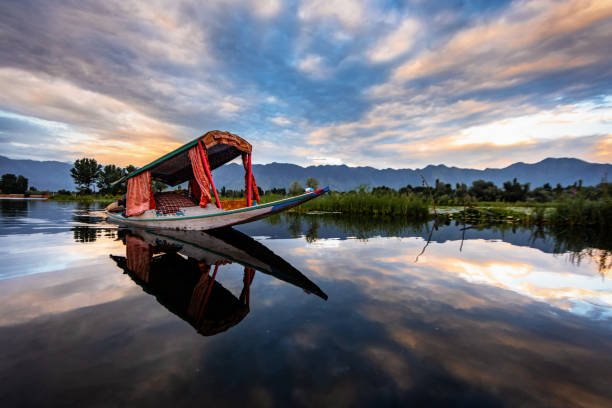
392	364
81	277
393	332
528	272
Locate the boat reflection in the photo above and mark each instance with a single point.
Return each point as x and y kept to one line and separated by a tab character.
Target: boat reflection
181	269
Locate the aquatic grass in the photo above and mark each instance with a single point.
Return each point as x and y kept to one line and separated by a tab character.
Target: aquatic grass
364	203
581	212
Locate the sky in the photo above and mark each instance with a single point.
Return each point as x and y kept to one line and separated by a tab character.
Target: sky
398	84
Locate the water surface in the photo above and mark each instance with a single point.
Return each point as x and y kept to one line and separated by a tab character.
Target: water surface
306	311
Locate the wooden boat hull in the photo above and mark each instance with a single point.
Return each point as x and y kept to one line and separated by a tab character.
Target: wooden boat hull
218	219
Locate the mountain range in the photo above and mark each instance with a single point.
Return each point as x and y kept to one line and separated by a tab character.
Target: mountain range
55	175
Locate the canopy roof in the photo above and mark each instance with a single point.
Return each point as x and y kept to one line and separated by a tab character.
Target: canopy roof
175	167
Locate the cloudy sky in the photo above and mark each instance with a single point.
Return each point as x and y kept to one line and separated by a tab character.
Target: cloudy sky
388	83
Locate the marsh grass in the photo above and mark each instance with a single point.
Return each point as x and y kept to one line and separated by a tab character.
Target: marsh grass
580	212
569	213
363	203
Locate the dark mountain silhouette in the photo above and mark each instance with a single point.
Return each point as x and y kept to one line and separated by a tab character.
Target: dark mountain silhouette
53	175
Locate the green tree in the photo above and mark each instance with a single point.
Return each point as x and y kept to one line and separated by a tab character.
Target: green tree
8	183
21	185
85	171
108	175
515	191
130	168
296	188
312	183
461	190
484	190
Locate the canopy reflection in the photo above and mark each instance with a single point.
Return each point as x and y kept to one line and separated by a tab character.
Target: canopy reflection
181	269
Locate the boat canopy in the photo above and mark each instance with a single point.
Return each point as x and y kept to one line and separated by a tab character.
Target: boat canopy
175	167
191	162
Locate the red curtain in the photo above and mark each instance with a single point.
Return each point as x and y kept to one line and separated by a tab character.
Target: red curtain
194	190
204	157
139	194
247	280
200	175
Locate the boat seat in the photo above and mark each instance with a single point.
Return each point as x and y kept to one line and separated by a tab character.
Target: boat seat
170	202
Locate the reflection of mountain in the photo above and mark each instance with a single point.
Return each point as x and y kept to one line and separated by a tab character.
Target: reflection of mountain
180	268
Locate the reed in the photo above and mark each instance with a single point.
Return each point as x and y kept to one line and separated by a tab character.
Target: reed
581	212
363	203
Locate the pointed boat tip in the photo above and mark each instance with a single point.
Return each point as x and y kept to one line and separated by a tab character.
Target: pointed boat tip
318	293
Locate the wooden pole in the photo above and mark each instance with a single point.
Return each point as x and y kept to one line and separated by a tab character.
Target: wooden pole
249	183
255	190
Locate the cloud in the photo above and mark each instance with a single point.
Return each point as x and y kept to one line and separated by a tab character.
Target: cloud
266	8
356	81
313	65
527	40
350	14
513	82
112	128
280	120
395	43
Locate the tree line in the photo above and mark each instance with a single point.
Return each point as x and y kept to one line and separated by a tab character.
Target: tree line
512	191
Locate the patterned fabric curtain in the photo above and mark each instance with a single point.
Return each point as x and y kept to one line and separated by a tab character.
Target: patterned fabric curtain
200	175
139	194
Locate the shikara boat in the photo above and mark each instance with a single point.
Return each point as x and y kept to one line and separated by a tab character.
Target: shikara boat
182	270
194	163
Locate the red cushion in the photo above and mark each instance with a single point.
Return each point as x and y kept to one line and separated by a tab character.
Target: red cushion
169	202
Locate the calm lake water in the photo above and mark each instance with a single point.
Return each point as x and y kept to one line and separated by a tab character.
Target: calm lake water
298	311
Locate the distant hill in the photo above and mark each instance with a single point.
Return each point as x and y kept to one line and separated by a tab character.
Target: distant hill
44	175
563	170
53	175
